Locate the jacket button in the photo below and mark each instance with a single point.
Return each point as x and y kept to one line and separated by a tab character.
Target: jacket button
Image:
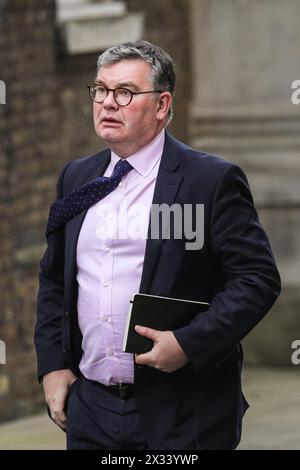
66	314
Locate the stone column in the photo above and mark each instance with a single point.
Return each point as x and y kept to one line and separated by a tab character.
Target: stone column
245	57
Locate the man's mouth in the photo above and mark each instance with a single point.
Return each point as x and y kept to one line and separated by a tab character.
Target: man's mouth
110	120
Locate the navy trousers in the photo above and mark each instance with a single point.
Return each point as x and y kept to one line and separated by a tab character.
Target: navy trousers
98	419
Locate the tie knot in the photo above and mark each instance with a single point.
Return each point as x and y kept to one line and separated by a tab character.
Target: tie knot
121	168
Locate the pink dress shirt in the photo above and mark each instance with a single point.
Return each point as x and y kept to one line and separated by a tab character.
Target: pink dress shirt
110	258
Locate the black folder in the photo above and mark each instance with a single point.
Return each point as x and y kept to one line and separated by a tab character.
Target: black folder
158	313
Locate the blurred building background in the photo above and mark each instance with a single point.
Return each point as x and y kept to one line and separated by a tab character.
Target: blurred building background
236	60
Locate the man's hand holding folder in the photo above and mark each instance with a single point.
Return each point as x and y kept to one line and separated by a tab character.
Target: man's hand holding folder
166	354
149	329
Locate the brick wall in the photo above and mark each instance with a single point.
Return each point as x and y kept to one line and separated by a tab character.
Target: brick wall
28	125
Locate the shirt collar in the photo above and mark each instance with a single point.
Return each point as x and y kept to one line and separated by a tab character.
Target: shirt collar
146	158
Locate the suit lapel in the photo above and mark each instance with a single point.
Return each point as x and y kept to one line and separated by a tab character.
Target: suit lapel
166	188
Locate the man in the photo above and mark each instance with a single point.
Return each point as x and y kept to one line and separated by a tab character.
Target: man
186	392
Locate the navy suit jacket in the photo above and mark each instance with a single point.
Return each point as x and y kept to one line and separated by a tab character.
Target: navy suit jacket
235	271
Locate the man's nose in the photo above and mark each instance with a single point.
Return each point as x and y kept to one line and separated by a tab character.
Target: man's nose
110	101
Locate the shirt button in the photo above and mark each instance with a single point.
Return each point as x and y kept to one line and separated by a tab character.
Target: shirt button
111	353
105	284
120	184
105	318
106	249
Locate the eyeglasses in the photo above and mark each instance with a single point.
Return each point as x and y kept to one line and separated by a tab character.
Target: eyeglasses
122	96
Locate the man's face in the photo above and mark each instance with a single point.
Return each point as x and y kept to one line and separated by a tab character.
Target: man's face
134	125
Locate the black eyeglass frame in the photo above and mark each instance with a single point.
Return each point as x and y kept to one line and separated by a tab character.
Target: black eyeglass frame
119	88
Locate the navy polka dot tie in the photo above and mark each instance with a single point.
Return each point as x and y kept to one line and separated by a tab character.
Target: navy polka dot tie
84	197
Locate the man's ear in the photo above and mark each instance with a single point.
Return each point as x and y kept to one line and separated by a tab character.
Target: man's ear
164	101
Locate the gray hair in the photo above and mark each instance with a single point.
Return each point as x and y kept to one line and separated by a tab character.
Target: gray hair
163	74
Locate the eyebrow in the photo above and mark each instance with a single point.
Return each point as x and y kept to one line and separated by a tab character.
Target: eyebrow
119	85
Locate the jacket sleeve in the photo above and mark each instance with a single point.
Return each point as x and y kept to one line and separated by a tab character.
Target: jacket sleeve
251	279
48	328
